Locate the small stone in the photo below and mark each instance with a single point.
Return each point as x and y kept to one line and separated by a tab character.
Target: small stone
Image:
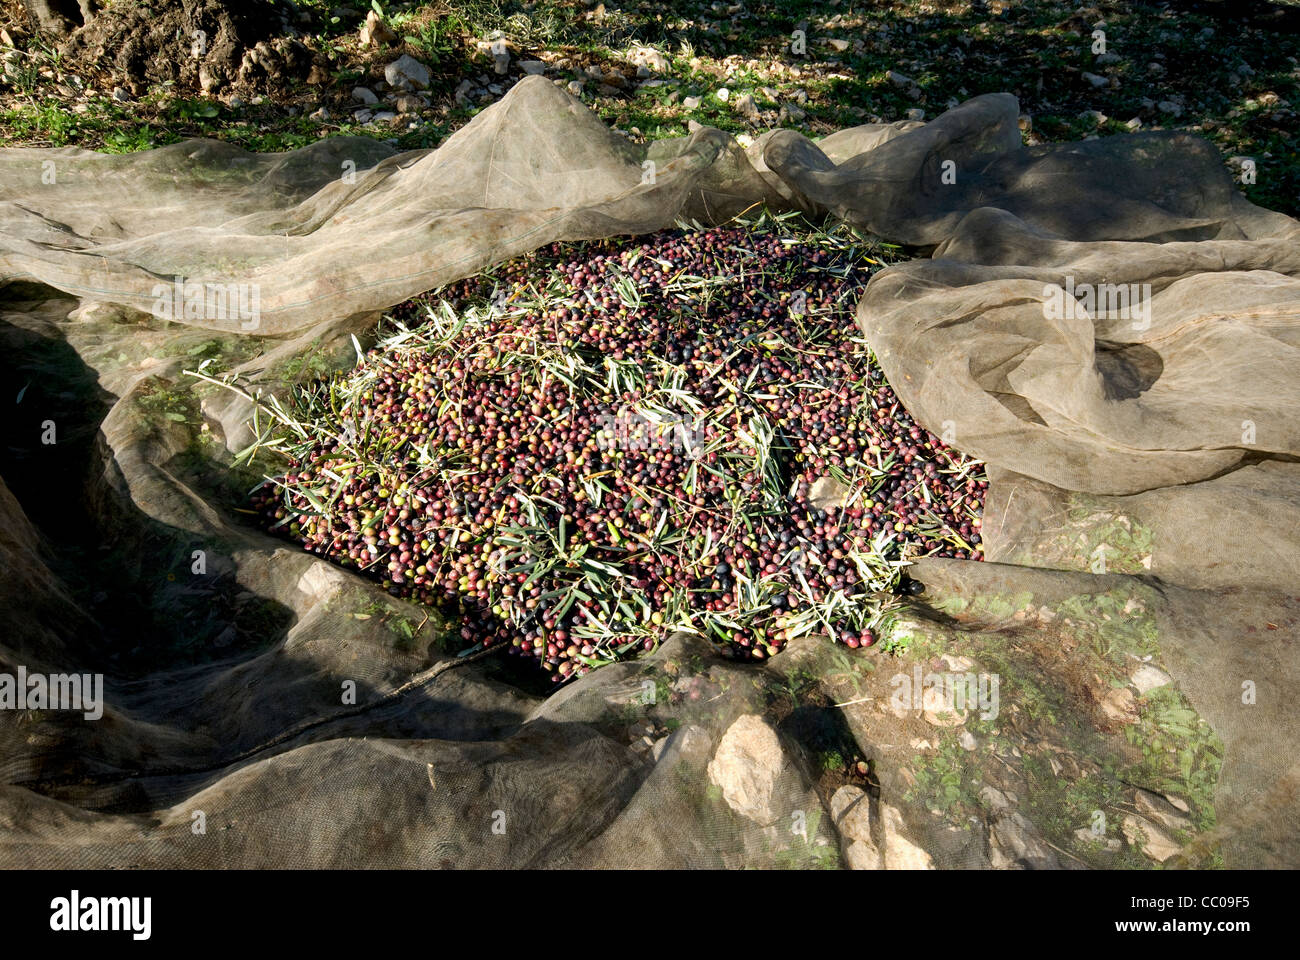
900	852
690	103
1147	678
575	87
364	95
1095	117
838	45
1120	705
1015	841
318	75
533	68
410	104
792	112
1155	807
851	813
916	113
747	767
1095	80
235	103
967	741
363	115
120	95
1153	841
406	73
997	800
693	125
1086	836
746	107
320	115
1134	124
898	79
384	116
643	72
1169	107
376	33
653	59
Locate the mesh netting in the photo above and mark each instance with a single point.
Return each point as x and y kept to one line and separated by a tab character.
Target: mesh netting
1108	324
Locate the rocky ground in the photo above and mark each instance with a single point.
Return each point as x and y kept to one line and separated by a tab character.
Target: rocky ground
130	79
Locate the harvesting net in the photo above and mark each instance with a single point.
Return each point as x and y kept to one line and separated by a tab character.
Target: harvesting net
1109	325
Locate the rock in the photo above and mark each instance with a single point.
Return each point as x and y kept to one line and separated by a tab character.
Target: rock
851	813
1178	803
1095	80
120	95
1169	107
1108	58
1095	117
792	112
1084	835
364	95
1120	706
690	103
362	115
1153	841
746	107
1134	124
1157	808
406	73
860	855
1014	841
898	79
747	767
318	75
209	81
463	90
575	87
643	72
652	59
967	741
320	115
1147	678
900	852
939	710
376	33
533	68
916	113
827	493
838	45
410	103
235	103
384	116
693	125
997	801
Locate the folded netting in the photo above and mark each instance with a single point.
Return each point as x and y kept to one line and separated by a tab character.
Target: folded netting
1109	324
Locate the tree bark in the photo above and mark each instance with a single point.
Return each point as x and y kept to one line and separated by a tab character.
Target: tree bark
59	17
